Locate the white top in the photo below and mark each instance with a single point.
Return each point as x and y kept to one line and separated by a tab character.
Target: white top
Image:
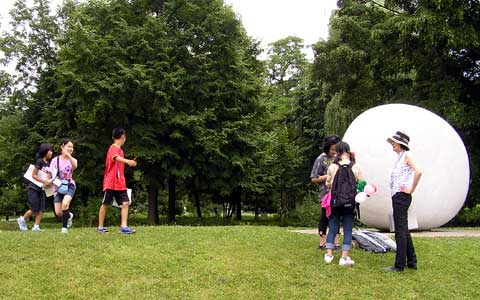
402	174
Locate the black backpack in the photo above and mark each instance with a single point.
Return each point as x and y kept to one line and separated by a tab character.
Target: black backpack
344	188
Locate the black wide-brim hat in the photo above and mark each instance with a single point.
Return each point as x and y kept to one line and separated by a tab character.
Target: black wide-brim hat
400	138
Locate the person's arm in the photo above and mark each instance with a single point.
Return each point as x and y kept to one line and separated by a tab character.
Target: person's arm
37	178
319	179
314	175
416	176
74	162
130	162
357	172
72	159
332	170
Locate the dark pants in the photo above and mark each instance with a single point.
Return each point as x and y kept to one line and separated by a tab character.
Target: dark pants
405	250
323	224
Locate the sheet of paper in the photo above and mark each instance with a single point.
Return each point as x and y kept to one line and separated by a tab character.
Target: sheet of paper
28	176
49	190
129	193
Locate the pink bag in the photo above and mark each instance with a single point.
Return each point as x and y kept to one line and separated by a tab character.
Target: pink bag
326	203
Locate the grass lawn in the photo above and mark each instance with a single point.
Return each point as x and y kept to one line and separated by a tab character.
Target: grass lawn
234	262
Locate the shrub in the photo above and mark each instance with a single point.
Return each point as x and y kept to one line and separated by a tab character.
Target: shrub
306	213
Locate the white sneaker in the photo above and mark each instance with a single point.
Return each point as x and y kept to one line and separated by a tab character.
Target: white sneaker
346	261
21	224
36	229
69	222
64	230
328	258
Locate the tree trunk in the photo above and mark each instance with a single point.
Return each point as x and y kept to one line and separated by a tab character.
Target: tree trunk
198	204
153	218
283	208
238	204
84	197
171	199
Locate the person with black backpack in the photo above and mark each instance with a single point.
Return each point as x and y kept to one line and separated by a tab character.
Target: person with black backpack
342	177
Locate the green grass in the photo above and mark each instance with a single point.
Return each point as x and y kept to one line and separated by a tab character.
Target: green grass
234	262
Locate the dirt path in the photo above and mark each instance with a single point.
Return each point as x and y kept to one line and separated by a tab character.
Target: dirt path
431	233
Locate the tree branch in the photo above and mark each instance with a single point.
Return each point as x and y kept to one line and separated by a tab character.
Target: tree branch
384	7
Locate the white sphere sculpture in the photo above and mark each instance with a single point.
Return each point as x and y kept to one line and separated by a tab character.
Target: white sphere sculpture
436	149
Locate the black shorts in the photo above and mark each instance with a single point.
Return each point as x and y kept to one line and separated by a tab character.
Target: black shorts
120	197
36	200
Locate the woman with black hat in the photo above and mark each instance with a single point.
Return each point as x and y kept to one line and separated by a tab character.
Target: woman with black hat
403	181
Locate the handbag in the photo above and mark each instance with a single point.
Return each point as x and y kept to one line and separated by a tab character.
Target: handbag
63	188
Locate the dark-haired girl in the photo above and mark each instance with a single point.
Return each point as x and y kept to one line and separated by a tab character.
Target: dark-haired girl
63	166
36	195
319	176
343	215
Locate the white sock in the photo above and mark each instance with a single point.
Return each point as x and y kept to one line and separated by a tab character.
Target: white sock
36	226
21	219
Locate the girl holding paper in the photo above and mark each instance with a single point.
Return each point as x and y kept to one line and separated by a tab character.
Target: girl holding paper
36	196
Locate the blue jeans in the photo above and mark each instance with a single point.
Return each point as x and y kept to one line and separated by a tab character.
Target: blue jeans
334	225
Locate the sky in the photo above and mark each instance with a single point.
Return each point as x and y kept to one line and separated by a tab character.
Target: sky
266	20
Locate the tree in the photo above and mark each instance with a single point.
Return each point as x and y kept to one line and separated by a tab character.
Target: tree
181	77
419	52
29	45
286	64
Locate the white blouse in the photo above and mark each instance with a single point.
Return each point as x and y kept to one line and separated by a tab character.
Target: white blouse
401	175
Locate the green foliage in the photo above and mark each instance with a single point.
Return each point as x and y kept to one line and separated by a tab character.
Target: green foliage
183	79
15	155
307	213
286	65
180	76
470	216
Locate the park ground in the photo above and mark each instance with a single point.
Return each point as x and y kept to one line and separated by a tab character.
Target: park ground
222	262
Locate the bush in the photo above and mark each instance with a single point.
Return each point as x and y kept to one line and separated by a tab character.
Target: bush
13	200
306	213
467	217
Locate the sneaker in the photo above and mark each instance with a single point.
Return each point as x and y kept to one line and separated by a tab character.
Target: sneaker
64	230
102	230
346	261
21	224
127	230
69	222
328	258
36	229
393	269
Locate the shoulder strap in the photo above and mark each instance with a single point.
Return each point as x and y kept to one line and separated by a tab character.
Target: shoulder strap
58	168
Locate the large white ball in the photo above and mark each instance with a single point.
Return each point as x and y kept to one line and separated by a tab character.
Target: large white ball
436	149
